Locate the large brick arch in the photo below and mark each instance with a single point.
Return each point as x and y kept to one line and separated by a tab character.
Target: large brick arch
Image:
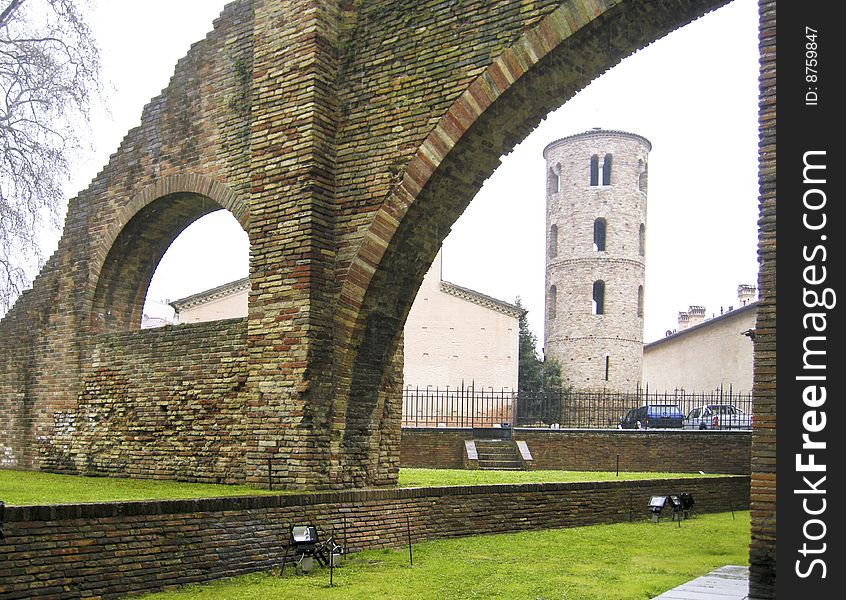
144	230
539	72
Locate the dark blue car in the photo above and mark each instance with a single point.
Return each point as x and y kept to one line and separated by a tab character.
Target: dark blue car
653	416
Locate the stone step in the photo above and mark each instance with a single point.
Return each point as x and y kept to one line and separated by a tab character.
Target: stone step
502	452
499	464
498	455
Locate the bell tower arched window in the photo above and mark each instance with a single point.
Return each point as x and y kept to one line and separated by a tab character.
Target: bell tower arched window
552	300
606	170
599	297
599	233
553	182
594	170
643	176
640	300
553	241
641	240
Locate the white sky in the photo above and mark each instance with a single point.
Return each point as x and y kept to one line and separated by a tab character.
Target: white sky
693	94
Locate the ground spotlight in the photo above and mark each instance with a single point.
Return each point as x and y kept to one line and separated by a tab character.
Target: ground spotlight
656	505
686	504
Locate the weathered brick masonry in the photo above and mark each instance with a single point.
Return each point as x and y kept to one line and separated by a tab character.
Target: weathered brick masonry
676	452
762	558
163	403
347	138
107	550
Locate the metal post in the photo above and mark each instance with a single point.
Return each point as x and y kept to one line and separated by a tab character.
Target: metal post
408	529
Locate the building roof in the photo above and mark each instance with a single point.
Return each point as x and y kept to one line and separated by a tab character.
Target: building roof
703	324
481	299
215	293
599	131
234	287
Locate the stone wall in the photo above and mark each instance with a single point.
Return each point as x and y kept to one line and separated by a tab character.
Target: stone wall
109	550
346	150
596	450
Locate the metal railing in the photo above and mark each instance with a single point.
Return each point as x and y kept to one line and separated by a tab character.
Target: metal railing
472	406
464	406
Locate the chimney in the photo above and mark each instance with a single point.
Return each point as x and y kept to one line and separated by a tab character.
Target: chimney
696	315
746	294
684	321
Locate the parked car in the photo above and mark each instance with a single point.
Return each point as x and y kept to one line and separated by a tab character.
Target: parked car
717	416
652	416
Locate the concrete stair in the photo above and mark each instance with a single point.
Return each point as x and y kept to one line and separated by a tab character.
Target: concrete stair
500	455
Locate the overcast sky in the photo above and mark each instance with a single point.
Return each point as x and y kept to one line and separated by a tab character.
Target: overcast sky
693	94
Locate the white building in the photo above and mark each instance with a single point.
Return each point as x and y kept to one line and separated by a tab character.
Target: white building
705	354
453	335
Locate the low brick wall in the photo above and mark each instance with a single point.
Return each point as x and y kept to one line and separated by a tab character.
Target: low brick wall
594	450
107	550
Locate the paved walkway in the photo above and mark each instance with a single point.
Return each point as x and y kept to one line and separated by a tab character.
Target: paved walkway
726	583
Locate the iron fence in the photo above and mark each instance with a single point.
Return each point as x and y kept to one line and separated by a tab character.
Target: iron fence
464	406
472	406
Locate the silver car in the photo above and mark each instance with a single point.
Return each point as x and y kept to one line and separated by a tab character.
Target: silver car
717	416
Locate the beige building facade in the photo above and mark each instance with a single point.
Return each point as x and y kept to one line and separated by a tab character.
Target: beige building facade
227	301
705	355
453	335
456	336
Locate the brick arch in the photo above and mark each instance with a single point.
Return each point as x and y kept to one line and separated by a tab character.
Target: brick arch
543	69
143	231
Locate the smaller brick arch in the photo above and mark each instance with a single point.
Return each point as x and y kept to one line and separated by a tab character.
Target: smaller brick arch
142	233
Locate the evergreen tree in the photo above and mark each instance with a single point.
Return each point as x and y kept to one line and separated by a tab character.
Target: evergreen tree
534	375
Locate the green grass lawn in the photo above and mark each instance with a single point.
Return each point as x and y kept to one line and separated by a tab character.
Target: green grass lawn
20	487
611	562
437	477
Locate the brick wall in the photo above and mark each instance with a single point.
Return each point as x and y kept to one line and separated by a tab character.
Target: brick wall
762	551
161	403
108	550
669	451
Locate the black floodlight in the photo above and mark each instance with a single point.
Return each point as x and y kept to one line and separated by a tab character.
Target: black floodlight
307	549
675	504
686	503
656	505
303	536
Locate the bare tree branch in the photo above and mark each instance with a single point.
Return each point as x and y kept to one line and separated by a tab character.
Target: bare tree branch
49	72
9	11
